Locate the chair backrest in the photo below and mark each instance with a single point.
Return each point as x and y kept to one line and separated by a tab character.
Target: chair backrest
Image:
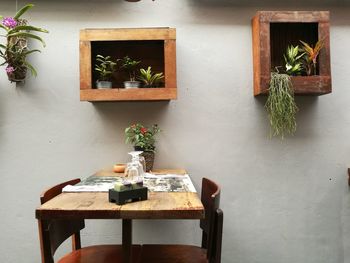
211	200
53	233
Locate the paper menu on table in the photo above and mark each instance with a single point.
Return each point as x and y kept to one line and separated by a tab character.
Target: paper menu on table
168	183
154	183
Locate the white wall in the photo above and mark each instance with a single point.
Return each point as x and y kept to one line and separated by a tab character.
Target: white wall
284	201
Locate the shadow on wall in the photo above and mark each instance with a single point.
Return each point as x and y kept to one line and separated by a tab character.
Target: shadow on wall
123	114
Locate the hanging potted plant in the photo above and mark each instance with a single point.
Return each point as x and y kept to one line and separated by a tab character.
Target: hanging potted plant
105	68
130	65
280	104
150	79
15	51
142	138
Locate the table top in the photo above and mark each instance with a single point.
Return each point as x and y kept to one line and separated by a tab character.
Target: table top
160	205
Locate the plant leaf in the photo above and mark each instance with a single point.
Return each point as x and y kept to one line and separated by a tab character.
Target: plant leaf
23	10
26	53
3	27
27	28
27	35
32	69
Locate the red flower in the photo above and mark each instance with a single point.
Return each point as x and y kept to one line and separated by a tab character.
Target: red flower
143	130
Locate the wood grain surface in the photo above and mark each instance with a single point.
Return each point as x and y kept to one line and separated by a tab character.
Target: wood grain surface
121	94
160	205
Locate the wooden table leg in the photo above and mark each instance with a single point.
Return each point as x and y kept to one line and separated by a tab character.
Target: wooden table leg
127	240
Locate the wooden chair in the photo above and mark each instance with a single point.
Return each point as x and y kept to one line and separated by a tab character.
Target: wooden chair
210	250
53	233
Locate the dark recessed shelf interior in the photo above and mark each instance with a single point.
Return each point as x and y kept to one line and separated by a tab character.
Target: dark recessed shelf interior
284	34
149	52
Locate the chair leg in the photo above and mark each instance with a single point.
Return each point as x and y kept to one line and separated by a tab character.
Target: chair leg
46	255
127	240
76	242
204	240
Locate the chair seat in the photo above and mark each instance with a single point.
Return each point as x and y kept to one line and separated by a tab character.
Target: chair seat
100	254
173	254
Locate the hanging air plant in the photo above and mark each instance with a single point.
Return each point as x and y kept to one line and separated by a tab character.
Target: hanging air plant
280	105
15	51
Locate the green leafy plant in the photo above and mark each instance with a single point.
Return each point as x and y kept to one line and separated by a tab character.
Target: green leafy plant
130	66
142	137
281	106
105	67
15	51
292	58
311	54
149	78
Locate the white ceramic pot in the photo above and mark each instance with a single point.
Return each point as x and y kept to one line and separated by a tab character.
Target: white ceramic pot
104	84
132	84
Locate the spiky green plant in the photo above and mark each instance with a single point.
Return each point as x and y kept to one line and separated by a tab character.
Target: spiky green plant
292	58
311	54
15	51
149	78
281	106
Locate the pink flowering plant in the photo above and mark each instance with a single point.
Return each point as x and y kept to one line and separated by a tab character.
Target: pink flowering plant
15	51
142	137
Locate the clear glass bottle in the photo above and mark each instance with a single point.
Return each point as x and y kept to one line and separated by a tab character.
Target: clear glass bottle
135	169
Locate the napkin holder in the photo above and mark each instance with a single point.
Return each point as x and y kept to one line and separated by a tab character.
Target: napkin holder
126	196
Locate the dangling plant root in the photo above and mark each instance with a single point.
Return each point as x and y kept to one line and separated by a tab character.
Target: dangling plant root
281	106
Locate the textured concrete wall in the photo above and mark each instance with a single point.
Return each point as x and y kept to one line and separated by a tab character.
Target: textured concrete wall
284	201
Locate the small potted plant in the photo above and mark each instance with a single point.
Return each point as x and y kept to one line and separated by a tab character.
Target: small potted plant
310	58
105	68
130	65
142	138
150	79
15	51
293	60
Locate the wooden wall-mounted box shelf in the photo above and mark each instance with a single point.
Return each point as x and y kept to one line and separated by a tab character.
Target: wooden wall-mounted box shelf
273	31
155	47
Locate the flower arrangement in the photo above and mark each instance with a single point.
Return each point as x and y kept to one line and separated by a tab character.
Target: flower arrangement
142	137
15	51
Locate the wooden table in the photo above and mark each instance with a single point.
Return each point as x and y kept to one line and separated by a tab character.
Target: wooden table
160	205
